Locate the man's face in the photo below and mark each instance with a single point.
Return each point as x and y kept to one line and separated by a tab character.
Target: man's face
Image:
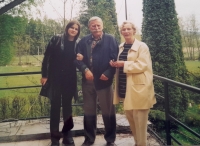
96	28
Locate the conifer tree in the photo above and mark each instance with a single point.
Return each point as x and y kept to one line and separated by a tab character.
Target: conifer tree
160	30
105	9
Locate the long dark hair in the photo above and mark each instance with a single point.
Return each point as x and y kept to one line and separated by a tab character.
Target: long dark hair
69	25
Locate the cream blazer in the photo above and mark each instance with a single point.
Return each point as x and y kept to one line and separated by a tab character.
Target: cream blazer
139	78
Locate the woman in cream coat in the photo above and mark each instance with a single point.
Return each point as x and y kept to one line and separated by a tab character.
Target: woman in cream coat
136	89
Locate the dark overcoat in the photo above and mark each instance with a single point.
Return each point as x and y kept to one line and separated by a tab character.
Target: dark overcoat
50	67
104	51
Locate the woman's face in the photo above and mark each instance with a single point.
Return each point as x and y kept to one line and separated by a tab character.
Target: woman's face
73	30
127	31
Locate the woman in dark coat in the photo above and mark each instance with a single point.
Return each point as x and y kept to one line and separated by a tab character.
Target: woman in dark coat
59	74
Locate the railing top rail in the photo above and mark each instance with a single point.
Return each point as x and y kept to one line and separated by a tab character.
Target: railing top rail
172	82
20	73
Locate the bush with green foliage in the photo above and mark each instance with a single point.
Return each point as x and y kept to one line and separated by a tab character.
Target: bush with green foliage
6	39
23	107
192	116
10	28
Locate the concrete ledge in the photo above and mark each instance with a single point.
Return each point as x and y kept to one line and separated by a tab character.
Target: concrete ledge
39	129
40	136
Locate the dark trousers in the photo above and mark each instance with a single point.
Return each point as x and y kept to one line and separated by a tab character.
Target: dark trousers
61	97
105	98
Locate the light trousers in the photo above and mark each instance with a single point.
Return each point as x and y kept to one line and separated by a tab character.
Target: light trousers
105	98
138	123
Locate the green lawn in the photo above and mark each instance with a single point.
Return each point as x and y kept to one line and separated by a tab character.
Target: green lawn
28	80
31	59
12	69
20	92
193	66
20	80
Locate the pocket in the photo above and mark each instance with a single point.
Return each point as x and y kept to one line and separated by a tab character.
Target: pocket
138	79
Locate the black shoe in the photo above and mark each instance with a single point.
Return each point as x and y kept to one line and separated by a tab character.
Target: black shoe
68	141
55	137
110	144
87	143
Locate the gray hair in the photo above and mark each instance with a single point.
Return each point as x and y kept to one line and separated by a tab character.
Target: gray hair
94	18
127	22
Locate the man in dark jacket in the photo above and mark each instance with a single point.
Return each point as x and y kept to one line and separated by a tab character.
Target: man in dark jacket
96	50
59	72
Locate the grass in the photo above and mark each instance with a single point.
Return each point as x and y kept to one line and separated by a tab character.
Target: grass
17	81
20	92
193	66
28	80
12	69
185	137
31	59
20	80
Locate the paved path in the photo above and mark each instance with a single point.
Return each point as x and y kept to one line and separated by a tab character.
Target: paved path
36	133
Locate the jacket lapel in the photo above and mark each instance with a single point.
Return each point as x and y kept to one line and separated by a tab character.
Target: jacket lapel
76	45
136	45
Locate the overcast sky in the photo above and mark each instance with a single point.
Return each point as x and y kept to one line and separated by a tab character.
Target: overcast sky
184	8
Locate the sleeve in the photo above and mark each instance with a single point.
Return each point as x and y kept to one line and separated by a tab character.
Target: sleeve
80	64
141	63
113	56
47	55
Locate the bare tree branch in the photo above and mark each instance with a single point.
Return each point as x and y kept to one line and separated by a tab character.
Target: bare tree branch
2	1
10	5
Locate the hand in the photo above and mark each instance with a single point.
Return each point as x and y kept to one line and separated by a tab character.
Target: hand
43	81
79	57
88	75
112	63
103	77
117	63
120	63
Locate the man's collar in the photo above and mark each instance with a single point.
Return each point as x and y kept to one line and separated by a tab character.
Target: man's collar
100	37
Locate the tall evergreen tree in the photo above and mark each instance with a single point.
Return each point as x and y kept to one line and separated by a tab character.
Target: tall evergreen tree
104	9
160	30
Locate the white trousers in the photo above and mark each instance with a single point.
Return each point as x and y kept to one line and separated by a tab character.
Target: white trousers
138	123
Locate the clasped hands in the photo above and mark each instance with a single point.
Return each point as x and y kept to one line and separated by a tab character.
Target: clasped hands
88	73
79	57
116	63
